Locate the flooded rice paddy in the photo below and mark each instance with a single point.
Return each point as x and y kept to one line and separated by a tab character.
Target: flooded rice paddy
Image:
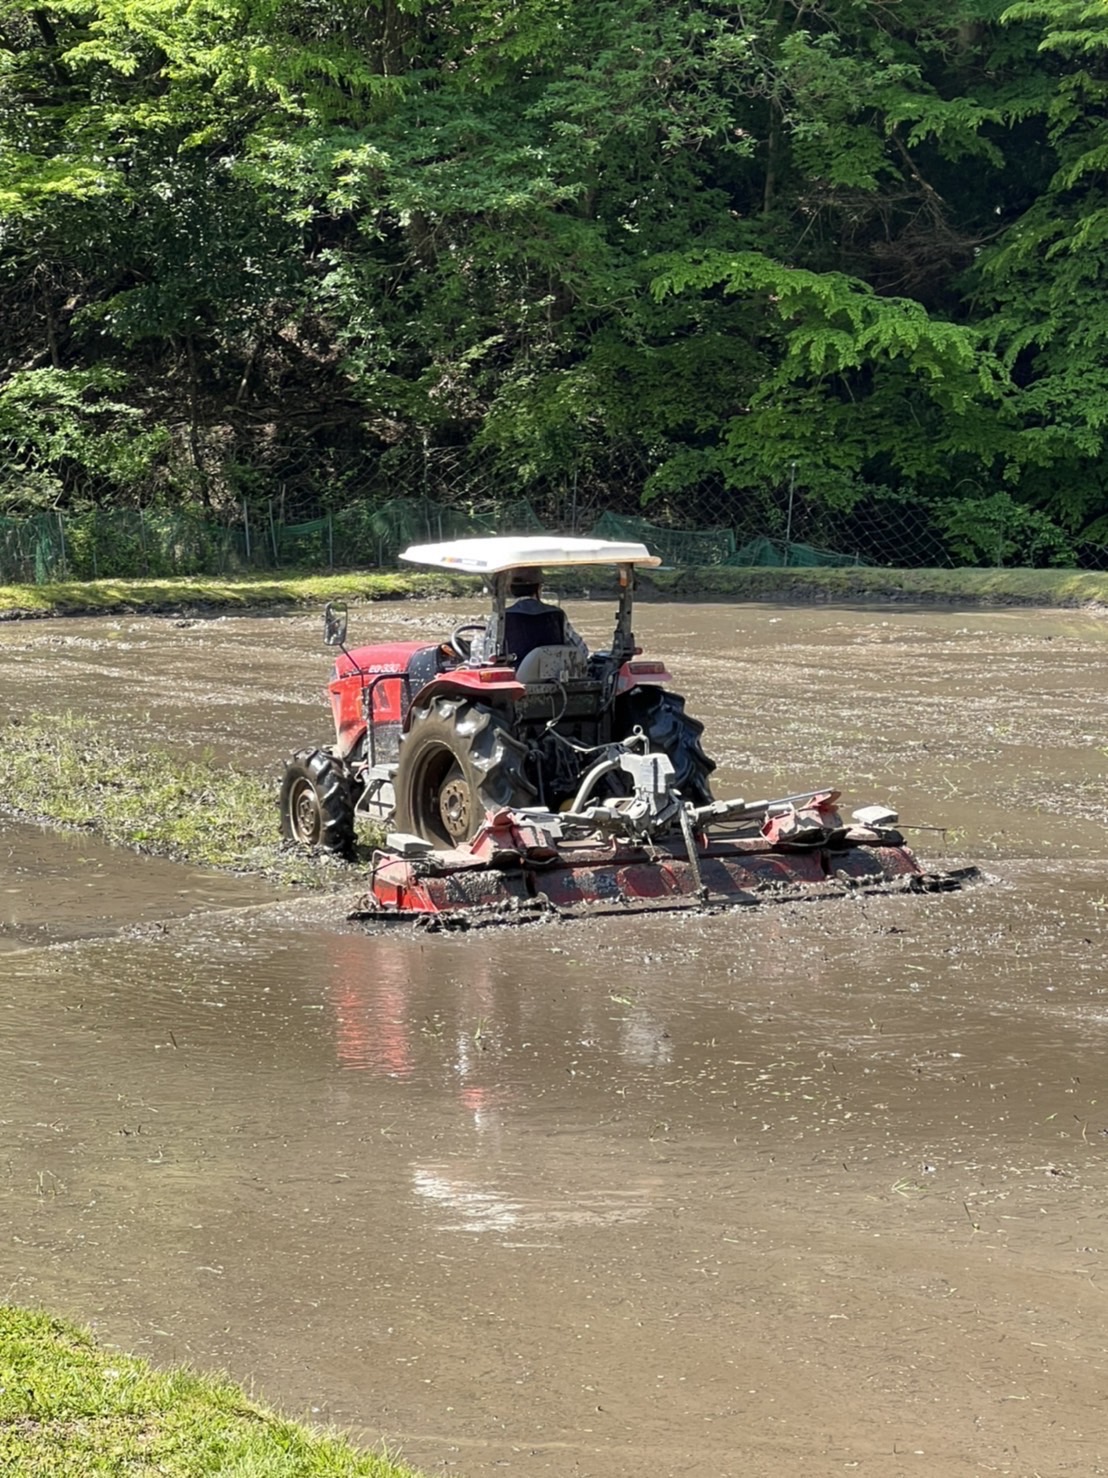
807	1189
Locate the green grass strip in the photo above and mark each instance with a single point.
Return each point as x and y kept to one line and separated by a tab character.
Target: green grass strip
292	589
225	593
854	582
69	1409
869	583
59	769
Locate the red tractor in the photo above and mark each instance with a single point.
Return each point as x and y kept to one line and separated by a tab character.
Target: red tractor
508	713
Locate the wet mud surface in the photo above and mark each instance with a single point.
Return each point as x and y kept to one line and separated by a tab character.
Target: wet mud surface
814	1188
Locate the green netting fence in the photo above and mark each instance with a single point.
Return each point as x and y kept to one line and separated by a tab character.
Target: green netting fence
673	546
121	544
366	535
783	554
684	547
116	544
32	550
136	544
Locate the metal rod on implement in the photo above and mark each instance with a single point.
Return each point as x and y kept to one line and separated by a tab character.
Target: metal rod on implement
694	856
585	789
733	810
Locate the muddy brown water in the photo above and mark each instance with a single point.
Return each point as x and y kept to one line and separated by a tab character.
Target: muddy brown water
805	1189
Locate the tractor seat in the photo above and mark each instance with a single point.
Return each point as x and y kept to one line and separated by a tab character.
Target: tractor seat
539	626
551	664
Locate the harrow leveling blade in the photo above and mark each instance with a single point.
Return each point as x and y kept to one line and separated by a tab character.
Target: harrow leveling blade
516	869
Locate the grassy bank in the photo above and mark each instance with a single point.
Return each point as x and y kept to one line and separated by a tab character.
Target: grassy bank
69	1409
866	583
221	593
851	583
59	769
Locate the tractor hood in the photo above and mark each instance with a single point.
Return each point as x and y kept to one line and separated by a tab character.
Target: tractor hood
489	556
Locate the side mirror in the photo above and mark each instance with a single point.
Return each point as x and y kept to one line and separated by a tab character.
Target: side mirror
334	625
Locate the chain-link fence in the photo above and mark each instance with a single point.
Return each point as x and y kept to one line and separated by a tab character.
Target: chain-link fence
126	544
783	527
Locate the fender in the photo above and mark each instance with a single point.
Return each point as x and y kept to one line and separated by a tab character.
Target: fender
480	684
639	674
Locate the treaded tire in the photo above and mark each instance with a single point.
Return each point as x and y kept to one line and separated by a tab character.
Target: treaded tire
662	718
457	761
317	804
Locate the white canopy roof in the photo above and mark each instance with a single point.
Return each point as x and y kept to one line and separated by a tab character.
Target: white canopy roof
487	556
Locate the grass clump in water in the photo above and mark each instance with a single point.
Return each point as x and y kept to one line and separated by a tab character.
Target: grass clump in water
71	1410
60	769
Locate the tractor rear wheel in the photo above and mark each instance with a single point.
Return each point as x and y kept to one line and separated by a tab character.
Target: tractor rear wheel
457	761
662	718
317	805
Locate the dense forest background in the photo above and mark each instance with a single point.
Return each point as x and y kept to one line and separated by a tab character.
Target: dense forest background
669	258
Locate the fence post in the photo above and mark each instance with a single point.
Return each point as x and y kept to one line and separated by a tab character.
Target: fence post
246	527
273	535
61	532
789	520
331	542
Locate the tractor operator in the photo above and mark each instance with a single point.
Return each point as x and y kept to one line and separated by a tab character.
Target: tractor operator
530	622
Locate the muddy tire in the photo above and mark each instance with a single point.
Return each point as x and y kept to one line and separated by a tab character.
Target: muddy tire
661	716
457	761
317	803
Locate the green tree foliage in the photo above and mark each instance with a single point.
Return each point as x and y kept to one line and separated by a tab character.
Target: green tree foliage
1041	284
664	250
58	425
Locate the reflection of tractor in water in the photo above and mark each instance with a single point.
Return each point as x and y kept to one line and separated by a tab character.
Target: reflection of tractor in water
506	713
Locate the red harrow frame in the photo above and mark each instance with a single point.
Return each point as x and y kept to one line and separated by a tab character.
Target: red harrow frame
650	851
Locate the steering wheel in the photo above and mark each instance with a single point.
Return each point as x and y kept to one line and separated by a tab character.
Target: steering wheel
461	638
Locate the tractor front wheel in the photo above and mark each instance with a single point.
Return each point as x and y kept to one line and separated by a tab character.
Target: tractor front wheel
317	807
662	718
457	761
